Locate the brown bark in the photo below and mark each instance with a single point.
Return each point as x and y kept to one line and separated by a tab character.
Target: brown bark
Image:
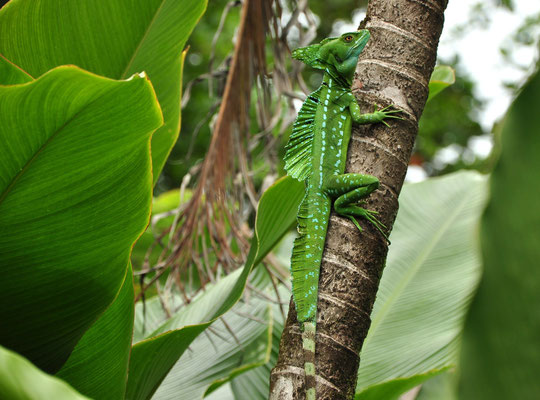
394	68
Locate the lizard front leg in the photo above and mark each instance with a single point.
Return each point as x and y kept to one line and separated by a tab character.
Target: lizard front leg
349	189
374	117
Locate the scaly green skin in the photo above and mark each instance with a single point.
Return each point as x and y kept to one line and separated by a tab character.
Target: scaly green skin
316	153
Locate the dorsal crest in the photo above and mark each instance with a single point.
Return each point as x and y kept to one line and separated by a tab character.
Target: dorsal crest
299	149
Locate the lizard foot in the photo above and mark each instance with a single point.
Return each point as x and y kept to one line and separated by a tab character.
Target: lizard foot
387	112
354	211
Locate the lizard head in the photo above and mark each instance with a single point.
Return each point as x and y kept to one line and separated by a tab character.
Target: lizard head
340	54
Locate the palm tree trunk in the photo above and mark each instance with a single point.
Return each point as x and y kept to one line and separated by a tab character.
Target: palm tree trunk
394	68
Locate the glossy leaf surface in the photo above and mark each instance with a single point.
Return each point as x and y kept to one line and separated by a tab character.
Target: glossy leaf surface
10	74
75	192
113	38
98	365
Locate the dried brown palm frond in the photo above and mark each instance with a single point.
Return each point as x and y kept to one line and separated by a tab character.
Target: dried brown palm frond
210	234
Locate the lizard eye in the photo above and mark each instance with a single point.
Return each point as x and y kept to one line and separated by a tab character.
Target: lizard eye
348	38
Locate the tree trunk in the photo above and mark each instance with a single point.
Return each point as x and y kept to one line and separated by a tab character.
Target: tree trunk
394	68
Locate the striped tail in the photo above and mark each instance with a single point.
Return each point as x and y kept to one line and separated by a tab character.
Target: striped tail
308	345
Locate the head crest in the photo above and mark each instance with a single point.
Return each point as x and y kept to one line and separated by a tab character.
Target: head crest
309	55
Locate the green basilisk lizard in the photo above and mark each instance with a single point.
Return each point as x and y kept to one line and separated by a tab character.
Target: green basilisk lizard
316	153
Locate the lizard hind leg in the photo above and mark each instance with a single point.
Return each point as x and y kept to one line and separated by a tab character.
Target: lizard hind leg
349	190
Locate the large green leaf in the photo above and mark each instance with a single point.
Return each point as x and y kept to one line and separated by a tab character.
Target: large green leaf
152	359
20	380
75	192
98	365
432	268
113	38
501	346
10	74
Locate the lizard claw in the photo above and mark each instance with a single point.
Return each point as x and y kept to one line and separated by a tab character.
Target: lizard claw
388	112
355	222
393	111
376	223
395	117
370	216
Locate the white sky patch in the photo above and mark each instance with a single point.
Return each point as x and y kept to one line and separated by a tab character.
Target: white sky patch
297	103
340	26
480	145
415	173
137	74
478	148
447	155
